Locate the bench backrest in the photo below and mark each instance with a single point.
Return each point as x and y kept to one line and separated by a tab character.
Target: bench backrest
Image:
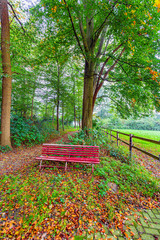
70	150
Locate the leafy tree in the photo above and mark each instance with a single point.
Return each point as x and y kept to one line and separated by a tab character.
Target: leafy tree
111	36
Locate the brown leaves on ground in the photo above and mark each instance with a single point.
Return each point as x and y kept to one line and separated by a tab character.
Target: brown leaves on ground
23	156
57	205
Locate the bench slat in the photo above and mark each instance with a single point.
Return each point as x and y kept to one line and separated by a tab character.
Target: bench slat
70	153
64	159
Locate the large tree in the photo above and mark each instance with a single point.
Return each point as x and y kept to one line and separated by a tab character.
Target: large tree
112	36
7	75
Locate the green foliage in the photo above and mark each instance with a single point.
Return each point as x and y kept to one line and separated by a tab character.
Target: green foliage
96	137
23	131
118	153
127	177
4	149
46	128
138	124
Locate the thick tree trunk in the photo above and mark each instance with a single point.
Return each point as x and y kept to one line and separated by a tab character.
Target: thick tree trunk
88	95
7	80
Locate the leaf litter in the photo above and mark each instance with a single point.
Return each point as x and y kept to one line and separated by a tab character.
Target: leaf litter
56	205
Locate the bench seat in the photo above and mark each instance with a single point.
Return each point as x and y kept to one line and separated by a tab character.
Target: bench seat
69	153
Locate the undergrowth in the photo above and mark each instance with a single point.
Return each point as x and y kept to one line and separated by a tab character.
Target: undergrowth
63	204
128	178
118	167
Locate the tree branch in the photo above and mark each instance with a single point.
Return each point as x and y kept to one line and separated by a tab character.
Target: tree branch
112	67
101	42
99	30
74	30
107	43
83	35
15	15
101	71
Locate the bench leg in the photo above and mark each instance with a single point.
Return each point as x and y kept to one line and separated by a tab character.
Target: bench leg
66	166
40	165
92	168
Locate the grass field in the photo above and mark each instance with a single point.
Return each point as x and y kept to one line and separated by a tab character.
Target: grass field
151	147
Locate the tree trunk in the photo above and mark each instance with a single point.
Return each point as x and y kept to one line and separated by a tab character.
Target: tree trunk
62	116
75	116
7	79
53	114
32	105
46	108
95	94
58	98
58	112
88	96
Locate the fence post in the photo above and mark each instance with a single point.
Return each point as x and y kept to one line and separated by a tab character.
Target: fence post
107	133
130	145
117	138
111	135
159	157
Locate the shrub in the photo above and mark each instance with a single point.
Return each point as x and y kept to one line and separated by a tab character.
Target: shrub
24	132
4	149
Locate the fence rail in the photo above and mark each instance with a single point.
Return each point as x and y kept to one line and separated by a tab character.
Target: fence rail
130	143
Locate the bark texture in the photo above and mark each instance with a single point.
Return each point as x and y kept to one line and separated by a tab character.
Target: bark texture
88	95
7	79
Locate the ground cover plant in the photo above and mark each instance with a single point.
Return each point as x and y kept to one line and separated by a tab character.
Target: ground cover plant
150	147
55	204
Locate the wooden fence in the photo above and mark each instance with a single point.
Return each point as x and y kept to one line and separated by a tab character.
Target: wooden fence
130	142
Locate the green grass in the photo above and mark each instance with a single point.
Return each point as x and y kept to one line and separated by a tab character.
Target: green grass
151	147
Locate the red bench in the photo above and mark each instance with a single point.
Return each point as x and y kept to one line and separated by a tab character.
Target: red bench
69	153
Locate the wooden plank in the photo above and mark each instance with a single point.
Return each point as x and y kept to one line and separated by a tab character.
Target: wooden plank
71	154
69	150
148	140
124	134
114	136
64	159
62	145
147	153
123	141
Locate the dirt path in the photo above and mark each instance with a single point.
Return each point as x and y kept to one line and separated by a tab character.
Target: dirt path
23	156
